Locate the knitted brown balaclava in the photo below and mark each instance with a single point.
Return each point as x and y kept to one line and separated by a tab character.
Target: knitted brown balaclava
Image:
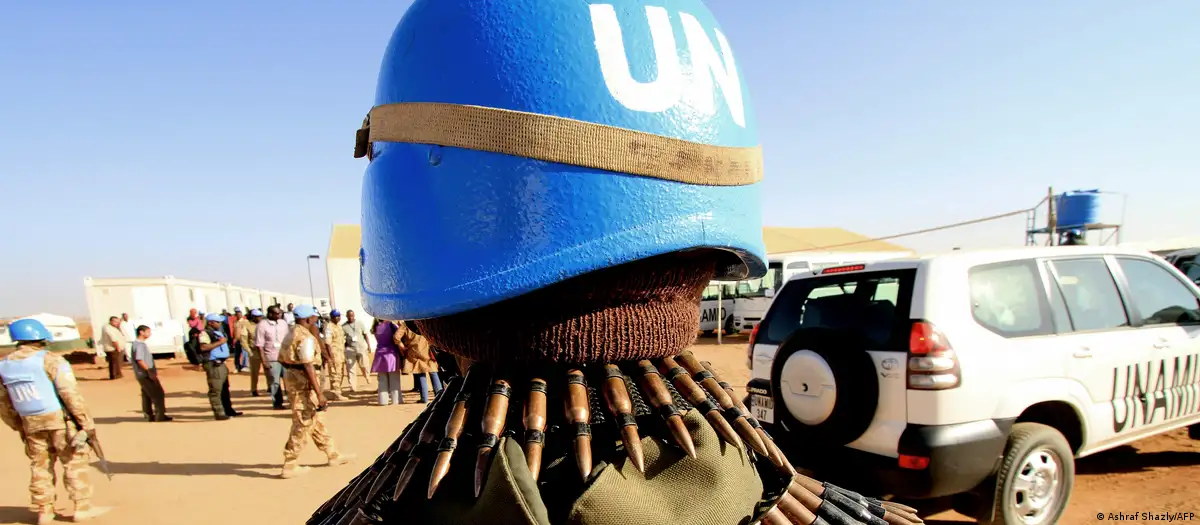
641	310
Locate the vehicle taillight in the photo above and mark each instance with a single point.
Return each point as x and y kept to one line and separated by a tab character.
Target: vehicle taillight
844	269
932	363
750	347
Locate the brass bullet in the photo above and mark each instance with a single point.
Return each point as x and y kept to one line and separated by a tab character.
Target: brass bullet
775	517
616	395
804	496
428	434
736	417
495	415
812	485
795	511
384	476
579	414
535	425
660	397
696	396
774	454
454	428
406	474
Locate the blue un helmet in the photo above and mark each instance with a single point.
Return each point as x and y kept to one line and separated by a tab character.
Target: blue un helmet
526	142
26	330
304	311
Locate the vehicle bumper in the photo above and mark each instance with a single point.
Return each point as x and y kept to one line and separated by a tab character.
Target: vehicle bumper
961	456
746	324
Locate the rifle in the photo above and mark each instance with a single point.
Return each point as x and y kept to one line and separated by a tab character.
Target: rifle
90	437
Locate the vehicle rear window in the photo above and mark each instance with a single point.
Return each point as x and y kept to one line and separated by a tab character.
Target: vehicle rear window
873	304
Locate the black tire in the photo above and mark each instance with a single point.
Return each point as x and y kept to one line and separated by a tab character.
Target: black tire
1194	431
855	379
728	323
1025	443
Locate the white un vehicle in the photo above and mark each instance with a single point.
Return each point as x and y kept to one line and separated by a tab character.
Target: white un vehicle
979	374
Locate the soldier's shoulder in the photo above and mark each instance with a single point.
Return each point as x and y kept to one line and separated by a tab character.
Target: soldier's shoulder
55	359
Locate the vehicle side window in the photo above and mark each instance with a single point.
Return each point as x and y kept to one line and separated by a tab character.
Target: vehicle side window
1192	271
1157	295
1091	294
1058	308
1007	298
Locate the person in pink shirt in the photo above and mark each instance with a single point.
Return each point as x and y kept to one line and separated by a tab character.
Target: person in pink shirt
194	320
268	338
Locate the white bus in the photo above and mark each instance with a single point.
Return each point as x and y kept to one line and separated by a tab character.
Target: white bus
752	297
710	318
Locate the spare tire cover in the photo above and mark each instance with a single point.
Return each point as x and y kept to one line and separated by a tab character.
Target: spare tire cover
825	385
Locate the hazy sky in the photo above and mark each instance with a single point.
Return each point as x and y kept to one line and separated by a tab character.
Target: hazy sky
212	140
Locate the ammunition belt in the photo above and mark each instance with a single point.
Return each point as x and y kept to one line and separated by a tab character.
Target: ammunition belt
608	396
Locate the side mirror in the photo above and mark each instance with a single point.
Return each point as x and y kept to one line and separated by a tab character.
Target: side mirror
769	293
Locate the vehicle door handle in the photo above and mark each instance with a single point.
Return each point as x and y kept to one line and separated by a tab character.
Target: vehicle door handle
1083	353
1162	345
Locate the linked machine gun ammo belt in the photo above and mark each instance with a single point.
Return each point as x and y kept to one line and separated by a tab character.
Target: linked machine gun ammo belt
560	412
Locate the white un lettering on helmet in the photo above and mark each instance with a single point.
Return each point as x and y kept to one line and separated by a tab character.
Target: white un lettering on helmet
673	84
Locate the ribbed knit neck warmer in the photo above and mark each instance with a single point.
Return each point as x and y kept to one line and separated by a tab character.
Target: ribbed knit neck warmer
641	310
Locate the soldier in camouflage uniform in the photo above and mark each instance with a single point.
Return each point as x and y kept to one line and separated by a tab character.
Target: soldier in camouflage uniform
39	387
247	328
335	339
548	207
300	355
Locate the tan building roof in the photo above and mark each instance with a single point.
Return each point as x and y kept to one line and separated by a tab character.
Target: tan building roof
781	240
346	240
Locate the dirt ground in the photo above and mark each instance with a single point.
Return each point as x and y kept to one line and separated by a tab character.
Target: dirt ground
199	471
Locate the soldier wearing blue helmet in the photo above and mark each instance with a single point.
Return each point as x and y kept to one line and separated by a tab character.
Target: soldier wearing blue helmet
581	172
301	355
38	400
214	350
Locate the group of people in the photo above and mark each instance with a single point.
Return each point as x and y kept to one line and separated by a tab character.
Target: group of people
253	341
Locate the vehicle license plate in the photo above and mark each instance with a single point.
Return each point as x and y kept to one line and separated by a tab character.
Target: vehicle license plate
763	408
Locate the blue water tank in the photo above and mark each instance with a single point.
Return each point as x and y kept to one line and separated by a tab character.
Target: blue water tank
1077	208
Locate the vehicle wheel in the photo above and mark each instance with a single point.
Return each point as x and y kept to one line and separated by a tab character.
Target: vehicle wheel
708	333
1035	478
728	325
1194	431
824	385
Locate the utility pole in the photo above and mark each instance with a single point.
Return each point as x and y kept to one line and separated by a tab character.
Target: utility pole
720	312
1052	217
312	294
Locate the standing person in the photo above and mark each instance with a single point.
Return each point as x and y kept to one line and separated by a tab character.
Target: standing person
113	342
335	338
195	320
38	388
357	343
290	315
127	330
246	329
301	356
420	358
387	363
214	350
154	399
267	337
658	197
230	327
